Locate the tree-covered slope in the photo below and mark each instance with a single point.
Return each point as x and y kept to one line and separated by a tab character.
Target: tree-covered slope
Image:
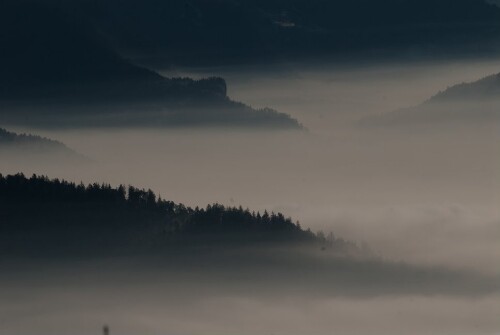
41	214
134	233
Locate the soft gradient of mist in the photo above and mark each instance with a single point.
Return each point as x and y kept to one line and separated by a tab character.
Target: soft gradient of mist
328	97
425	195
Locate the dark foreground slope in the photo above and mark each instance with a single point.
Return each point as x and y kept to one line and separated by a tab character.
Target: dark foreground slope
51	214
98	235
56	70
474	103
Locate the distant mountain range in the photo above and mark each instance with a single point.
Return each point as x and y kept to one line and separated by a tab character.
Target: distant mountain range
57	71
487	88
476	102
201	32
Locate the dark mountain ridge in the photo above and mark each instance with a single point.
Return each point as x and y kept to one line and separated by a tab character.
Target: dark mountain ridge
56	70
487	88
37	213
476	102
131	233
42	46
201	32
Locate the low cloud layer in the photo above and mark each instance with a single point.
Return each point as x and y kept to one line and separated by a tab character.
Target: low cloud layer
159	305
426	197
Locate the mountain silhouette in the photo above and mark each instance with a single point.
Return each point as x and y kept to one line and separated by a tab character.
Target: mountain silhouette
58	71
27	145
39	213
45	222
487	88
199	32
476	102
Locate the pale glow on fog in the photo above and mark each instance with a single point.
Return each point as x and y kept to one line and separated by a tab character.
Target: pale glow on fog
425	196
411	315
355	182
326	98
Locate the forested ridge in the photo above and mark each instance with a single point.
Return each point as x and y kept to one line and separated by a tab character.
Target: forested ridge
38	211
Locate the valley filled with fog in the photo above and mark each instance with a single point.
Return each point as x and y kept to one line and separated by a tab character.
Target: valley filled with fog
337	175
425	194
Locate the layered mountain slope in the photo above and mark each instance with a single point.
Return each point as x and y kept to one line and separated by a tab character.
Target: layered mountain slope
194	32
57	71
466	103
485	89
32	145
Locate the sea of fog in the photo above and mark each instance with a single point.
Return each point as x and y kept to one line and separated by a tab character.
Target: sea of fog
425	195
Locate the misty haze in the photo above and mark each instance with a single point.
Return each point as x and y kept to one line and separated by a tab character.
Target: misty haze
249	167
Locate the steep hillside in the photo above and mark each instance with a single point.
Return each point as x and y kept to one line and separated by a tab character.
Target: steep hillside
58	71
